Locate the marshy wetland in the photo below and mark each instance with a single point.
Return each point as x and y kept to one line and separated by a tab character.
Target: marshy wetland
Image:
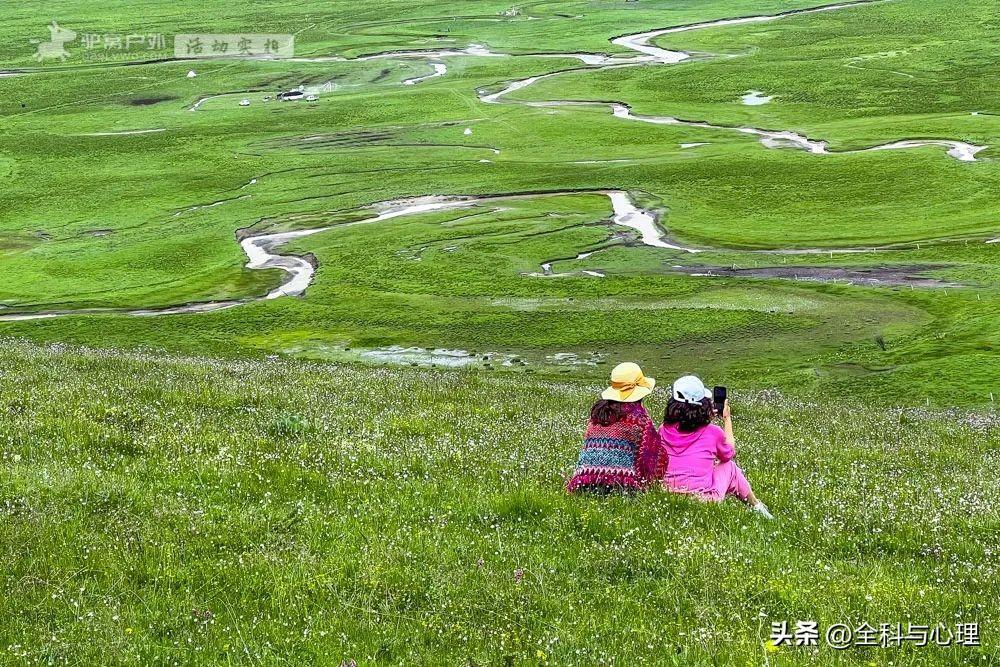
300	379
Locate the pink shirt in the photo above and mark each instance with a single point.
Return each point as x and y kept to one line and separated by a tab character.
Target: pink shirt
692	457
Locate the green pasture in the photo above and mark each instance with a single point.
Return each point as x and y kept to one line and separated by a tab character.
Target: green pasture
273	483
169	509
91	217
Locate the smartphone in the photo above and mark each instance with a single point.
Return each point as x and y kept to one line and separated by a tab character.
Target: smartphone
719	396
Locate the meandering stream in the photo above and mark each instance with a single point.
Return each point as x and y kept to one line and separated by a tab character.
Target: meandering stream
440	69
640	42
649	53
262	250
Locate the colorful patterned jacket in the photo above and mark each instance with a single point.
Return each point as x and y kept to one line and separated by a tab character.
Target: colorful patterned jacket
627	454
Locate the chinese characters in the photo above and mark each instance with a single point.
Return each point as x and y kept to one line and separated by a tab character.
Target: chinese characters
843	636
246	45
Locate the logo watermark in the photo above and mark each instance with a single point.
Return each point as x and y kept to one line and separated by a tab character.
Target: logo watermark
56	46
136	41
63	44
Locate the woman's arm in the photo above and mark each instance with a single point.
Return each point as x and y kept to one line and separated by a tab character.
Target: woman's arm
727	424
652	461
725	450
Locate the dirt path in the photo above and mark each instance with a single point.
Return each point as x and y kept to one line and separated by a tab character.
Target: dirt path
121	133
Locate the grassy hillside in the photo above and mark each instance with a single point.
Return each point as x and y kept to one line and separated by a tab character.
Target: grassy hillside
251	486
160	509
94	217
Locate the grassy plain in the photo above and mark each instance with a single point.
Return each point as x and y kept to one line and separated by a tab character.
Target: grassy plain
169	509
243	508
95	219
856	77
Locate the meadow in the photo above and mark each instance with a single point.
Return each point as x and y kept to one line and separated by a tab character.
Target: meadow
151	222
373	471
164	509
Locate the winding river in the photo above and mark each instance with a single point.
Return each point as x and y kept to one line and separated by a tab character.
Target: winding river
641	43
262	250
649	53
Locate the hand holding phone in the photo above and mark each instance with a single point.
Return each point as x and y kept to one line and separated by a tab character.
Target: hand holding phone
720	398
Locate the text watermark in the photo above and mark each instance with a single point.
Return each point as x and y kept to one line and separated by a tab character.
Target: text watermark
842	636
240	45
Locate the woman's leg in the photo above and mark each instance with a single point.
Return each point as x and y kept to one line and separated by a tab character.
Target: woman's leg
729	480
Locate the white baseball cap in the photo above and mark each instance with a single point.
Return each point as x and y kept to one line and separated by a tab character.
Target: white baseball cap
689	389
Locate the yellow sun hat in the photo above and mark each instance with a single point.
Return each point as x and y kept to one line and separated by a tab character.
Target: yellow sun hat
628	384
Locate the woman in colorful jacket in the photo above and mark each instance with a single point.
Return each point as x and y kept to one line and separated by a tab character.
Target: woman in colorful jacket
621	449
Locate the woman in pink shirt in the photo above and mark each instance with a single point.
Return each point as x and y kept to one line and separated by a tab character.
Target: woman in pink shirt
700	453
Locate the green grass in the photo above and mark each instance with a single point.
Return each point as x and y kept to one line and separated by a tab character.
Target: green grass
165	509
381	25
249	486
112	221
856	77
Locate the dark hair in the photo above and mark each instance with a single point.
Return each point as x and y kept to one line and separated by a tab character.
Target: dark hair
688	417
606	412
